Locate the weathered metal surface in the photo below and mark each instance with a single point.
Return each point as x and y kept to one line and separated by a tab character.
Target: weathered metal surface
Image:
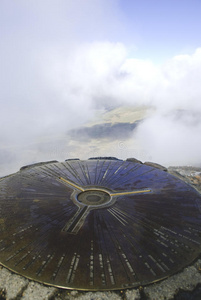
97	224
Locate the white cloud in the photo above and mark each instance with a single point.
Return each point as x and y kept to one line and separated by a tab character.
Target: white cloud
172	135
58	66
63	91
172	139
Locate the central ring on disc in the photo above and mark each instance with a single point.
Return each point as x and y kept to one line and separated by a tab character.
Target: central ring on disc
93	197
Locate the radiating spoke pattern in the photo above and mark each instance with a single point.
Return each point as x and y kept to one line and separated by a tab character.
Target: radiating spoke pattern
97	224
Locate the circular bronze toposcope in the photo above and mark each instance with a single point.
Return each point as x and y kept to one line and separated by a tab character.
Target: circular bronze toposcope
99	224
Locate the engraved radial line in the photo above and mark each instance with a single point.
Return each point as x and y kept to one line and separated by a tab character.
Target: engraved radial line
150	242
58	267
121	253
70	171
82	168
60	170
83	172
86	172
42	237
71	227
115	171
110	173
118	217
73	268
50	171
141	174
90	182
148	226
72	184
99	171
45	263
105	174
133	242
108	261
16	253
162	238
116	167
138	176
31	176
128	180
142	258
116	178
96	168
34	258
75	174
101	260
121	212
59	216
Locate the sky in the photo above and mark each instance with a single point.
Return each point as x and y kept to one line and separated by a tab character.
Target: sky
61	60
162	29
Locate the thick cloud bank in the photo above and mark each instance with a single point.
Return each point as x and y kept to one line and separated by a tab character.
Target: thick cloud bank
101	74
54	76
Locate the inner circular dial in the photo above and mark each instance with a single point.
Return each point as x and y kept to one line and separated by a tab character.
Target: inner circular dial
93	197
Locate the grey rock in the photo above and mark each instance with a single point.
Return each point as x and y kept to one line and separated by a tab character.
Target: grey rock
100	296
104	158
89	296
165	290
155	165
12	285
36	291
134	160
197	265
132	295
38	164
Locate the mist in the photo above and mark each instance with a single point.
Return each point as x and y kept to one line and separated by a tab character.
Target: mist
58	68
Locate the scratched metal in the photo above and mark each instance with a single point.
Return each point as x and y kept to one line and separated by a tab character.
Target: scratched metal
97	224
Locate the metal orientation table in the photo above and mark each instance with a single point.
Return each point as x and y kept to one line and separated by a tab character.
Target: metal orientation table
97	224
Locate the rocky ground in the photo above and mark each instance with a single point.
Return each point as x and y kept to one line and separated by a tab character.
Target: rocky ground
181	286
